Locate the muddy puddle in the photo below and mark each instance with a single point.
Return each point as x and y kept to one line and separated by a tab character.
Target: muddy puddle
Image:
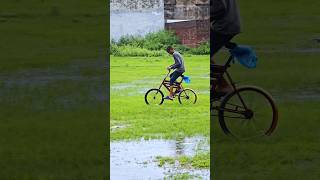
137	159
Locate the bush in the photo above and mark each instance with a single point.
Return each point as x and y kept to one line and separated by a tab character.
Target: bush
135	51
152	41
130	40
160	40
181	48
203	49
114	49
153	44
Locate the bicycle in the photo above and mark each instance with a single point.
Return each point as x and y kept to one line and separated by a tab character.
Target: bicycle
246	111
185	95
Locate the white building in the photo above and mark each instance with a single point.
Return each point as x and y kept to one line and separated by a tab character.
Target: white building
135	17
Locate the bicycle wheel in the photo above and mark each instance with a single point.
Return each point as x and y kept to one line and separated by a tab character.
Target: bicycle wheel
187	96
154	97
255	115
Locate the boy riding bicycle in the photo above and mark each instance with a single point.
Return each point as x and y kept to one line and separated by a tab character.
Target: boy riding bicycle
225	24
179	68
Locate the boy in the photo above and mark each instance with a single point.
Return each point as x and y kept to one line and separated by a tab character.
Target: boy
225	24
179	69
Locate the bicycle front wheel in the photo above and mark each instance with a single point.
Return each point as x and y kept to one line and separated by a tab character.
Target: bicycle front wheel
187	96
154	97
248	112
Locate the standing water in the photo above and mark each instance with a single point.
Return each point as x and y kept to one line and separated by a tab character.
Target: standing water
137	159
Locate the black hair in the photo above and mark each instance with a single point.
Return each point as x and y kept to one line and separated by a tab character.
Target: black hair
169	48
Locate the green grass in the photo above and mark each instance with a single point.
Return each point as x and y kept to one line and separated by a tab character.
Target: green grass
280	31
52	82
198	161
279	25
182	176
131	77
293	148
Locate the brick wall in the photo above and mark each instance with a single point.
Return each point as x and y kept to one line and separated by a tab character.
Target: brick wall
191	33
195	29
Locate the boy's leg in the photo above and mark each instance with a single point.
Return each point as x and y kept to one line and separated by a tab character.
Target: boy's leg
173	78
217	42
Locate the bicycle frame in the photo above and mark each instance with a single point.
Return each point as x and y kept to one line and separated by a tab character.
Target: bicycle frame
232	106
166	83
224	71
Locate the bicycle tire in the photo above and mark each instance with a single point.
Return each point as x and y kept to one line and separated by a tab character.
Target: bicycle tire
149	91
183	94
226	127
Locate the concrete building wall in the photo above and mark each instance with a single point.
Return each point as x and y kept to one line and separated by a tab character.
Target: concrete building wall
187	9
135	17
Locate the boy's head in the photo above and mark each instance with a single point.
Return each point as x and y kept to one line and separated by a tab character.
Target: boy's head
170	50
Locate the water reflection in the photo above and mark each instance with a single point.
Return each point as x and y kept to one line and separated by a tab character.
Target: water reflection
137	159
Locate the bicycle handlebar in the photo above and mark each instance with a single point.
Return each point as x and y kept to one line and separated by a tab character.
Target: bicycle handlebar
230	46
169	70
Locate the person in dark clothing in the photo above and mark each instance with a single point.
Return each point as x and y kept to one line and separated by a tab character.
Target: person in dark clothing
179	68
225	24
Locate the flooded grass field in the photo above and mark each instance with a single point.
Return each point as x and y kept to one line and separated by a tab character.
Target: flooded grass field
158	142
283	34
52	90
145	159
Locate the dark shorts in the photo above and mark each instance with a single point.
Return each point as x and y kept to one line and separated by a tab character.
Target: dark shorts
174	76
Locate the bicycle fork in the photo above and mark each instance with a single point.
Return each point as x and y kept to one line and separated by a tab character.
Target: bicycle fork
234	88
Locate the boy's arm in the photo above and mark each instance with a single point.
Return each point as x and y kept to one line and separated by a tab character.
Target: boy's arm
177	63
218	9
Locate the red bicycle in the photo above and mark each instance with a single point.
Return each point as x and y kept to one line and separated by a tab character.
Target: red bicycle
185	95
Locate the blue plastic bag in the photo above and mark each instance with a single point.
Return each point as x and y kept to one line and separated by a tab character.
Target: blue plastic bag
245	56
186	79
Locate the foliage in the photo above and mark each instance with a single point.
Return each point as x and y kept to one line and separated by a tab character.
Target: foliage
160	40
199	161
135	51
153	44
203	49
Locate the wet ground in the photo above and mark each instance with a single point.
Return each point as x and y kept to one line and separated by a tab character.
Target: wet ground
140	87
43	86
307	94
137	159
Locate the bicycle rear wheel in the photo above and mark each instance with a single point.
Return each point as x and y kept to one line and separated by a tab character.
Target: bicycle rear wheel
247	113
154	97
187	96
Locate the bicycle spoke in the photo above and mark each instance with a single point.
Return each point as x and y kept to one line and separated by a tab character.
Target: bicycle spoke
187	96
253	118
154	97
